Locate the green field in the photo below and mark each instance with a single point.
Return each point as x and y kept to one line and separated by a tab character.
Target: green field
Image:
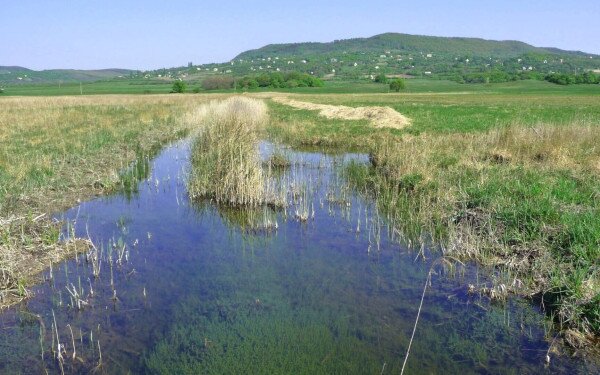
415	85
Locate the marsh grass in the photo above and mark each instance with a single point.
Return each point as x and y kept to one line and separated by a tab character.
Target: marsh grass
278	160
57	151
524	199
226	165
28	245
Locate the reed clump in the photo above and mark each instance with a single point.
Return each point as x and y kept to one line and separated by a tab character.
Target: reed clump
226	164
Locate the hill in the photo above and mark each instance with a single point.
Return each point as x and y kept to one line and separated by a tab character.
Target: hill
18	74
418	55
406	43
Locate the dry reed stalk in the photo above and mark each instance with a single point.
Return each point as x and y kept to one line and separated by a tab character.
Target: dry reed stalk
226	164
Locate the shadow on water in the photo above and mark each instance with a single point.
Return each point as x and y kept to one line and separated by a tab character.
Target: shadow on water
316	287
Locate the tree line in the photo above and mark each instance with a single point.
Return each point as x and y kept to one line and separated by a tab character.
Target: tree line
272	80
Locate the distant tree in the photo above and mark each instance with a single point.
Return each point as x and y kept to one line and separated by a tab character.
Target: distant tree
264	80
247	83
179	87
277	80
381	78
292	83
397	84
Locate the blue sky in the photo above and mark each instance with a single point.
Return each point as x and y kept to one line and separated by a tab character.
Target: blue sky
150	34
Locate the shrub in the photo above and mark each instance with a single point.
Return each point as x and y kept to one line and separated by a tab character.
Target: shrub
397	84
179	87
247	83
567	79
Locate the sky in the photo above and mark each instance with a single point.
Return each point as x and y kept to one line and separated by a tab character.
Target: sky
152	34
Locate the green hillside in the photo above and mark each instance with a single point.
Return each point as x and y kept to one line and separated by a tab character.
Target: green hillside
405	43
20	75
418	55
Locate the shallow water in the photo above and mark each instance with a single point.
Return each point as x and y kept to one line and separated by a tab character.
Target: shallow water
202	289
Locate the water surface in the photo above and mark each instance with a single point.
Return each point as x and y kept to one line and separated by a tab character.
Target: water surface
188	287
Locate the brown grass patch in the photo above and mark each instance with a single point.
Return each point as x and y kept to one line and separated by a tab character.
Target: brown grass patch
380	117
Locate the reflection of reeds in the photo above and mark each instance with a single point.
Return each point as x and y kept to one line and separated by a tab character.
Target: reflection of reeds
226	163
251	220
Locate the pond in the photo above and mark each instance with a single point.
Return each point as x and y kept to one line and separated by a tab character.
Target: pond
320	287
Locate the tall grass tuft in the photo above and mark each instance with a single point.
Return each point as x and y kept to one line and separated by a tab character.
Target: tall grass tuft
226	165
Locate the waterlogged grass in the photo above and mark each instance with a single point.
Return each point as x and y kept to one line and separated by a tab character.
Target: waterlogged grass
54	151
523	199
507	178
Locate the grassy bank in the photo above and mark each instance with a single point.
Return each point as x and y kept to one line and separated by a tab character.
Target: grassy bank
57	151
518	192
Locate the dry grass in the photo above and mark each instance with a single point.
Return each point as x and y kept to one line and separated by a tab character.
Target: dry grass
379	117
56	151
575	147
226	164
28	247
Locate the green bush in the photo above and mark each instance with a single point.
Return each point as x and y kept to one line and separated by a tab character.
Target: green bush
179	87
397	84
568	79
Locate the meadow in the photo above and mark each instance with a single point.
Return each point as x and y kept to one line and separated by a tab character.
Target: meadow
504	174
